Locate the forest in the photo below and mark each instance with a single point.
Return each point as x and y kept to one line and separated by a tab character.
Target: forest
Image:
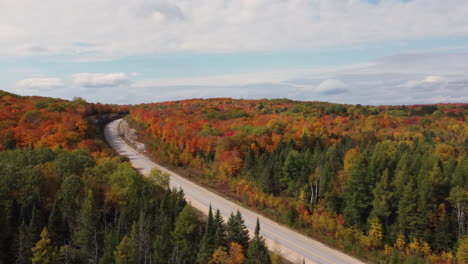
66	198
384	183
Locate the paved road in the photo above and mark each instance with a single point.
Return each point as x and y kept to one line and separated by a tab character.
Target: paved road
288	243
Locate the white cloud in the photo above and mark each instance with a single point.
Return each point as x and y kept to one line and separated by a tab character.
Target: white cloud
431	79
331	86
96	80
39	84
119	28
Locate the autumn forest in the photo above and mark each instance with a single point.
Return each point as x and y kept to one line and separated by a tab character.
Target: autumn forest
386	184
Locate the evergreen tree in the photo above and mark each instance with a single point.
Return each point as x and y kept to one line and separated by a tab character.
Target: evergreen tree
257	253
186	236
237	231
356	194
407	215
163	244
86	235
111	241
220	238
207	245
442	236
24	245
383	198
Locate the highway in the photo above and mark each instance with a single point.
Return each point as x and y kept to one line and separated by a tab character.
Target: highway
290	244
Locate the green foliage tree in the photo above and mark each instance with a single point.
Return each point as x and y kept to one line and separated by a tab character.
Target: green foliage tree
160	178
86	235
257	252
237	231
125	251
186	236
407	219
207	244
383	198
357	194
219	238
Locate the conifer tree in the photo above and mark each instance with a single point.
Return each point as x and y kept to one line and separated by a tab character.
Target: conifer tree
383	197
24	244
237	231
257	253
407	219
220	237
356	194
86	235
207	245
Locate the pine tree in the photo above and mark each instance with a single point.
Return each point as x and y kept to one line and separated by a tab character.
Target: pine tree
24	245
237	231
43	252
383	198
220	237
442	236
111	241
163	244
356	194
257	253
207	245
407	215
86	235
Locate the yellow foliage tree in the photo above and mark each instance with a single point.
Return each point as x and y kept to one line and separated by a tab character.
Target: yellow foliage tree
462	251
43	252
234	256
400	242
375	232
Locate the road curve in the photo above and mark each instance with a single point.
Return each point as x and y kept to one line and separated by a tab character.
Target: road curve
290	244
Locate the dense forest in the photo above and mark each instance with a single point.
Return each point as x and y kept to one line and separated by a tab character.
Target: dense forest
387	183
64	197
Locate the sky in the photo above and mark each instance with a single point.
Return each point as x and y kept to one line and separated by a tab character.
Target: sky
369	52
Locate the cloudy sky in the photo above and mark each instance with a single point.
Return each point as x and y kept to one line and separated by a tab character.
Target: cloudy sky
345	51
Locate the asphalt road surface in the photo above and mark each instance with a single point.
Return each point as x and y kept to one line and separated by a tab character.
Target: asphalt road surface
290	244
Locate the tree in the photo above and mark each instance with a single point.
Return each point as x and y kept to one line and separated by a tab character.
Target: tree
207	245
407	214
257	253
375	232
160	178
86	235
356	194
125	251
462	251
443	238
237	231
24	244
383	198
43	252
186	236
220	237
235	255
111	241
459	200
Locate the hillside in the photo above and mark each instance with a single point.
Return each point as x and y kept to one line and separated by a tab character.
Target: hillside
65	198
390	180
